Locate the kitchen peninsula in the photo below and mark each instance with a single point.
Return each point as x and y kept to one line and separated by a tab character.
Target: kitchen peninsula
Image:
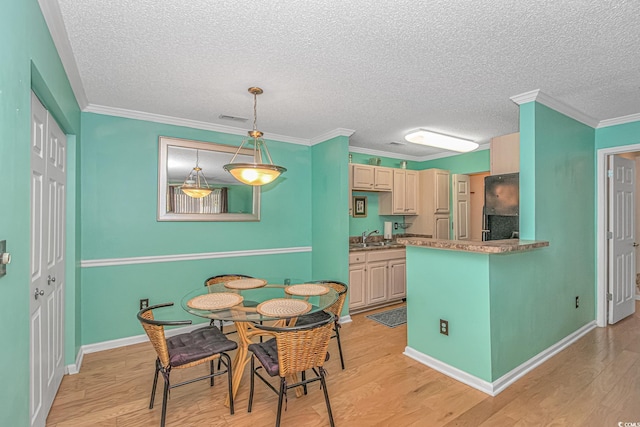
482	293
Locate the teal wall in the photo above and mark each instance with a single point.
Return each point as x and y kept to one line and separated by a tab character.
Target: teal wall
532	294
466	163
26	47
373	221
120	157
438	288
330	210
619	135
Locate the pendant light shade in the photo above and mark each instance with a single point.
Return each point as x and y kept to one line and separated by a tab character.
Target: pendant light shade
258	172
195	184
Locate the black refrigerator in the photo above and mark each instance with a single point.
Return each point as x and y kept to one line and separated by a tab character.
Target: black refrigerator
501	207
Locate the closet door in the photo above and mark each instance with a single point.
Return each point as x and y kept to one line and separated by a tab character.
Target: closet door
48	201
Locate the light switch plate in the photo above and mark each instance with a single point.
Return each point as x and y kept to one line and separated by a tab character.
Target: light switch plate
3	249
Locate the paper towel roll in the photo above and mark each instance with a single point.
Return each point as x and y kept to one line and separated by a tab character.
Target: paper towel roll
388	234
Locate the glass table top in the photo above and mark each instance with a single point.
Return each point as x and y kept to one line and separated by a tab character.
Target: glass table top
253	300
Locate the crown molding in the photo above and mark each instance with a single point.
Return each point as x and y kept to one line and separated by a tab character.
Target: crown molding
371	152
53	18
619	120
559	106
332	134
177	121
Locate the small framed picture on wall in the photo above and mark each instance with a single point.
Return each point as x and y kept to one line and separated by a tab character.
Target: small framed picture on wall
359	206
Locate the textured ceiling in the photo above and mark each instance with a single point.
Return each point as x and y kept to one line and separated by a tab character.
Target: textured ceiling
379	68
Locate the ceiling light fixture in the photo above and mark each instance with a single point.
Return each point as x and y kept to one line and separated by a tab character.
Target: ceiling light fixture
193	184
439	140
256	173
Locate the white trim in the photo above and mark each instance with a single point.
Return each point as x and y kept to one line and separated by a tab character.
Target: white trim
189	257
601	238
53	18
195	124
345	319
619	120
331	134
559	106
499	385
75	368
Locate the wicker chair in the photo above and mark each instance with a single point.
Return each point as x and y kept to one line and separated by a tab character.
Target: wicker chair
184	351
335	309
293	350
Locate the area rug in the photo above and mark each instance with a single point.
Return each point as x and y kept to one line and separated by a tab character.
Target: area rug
391	318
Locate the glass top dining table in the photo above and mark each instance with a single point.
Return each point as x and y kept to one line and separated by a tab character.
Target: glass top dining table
249	301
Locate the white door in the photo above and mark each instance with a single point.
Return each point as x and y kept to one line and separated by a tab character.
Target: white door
622	268
461	208
46	293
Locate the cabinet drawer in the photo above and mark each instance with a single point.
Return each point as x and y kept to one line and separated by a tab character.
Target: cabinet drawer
357	258
385	255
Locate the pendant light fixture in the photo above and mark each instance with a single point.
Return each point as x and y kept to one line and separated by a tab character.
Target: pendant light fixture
195	184
256	173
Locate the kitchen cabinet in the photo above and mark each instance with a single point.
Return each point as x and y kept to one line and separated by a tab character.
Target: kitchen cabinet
504	154
403	199
376	278
433	204
371	178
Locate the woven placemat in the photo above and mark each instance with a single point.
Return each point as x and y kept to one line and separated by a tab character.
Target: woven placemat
283	307
215	301
306	289
245	283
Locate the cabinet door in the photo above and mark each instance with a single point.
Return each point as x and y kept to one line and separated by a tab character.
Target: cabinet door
363	177
397	279
441	226
357	280
376	282
411	192
399	188
505	154
383	179
442	192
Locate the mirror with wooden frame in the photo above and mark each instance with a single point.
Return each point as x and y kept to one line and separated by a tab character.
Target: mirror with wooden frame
228	201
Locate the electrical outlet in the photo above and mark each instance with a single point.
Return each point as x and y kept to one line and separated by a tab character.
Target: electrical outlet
395	225
144	303
577	301
444	327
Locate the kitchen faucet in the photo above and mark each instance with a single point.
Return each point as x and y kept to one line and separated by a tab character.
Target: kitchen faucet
365	236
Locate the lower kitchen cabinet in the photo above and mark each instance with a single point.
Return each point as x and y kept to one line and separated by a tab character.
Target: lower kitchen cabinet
376	278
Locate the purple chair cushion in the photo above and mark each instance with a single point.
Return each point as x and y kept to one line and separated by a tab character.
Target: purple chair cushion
267	354
198	344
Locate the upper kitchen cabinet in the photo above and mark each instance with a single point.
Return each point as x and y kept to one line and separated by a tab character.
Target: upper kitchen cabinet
403	200
371	178
433	204
505	154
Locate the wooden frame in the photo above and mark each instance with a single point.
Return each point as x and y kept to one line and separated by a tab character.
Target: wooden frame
359	206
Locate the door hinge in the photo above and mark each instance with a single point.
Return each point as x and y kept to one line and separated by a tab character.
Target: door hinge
609	173
609	234
609	296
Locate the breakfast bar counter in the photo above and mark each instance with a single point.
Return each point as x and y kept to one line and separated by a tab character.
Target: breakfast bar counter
488	247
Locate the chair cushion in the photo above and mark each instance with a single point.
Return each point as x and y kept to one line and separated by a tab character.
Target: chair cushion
198	344
267	353
309	319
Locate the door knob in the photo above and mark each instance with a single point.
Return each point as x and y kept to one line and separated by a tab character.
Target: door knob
51	279
635	245
38	293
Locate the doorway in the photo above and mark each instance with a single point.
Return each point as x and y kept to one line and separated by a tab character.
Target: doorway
603	240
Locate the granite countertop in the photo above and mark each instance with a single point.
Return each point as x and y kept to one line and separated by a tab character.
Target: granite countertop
377	242
489	247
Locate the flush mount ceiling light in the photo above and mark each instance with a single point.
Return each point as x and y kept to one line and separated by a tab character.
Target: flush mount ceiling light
439	140
256	173
195	184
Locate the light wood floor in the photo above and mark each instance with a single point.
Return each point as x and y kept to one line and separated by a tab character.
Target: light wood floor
595	382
